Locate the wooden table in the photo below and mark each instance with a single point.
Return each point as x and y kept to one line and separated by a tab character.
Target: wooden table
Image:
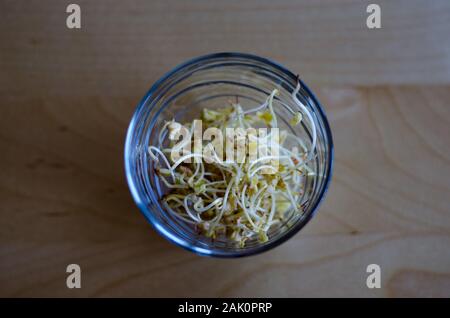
67	97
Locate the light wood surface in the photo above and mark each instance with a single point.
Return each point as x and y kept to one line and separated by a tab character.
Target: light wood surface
66	97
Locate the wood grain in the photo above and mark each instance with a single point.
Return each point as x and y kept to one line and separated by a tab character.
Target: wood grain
66	99
124	46
64	199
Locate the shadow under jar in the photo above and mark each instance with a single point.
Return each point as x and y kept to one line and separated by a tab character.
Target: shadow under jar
211	81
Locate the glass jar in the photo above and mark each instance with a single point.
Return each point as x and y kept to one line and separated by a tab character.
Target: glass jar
212	81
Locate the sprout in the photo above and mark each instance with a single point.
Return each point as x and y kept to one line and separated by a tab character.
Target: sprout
296	119
211	115
174	129
266	117
240	200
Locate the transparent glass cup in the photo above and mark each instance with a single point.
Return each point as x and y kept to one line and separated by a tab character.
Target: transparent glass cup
211	81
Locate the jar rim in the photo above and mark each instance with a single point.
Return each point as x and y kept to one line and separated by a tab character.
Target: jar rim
143	206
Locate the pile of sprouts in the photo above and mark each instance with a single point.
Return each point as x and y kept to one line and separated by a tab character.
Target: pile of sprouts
241	200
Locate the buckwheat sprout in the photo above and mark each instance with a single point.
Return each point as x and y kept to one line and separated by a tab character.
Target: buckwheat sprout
184	158
291	198
265	158
243	203
188	210
163	130
224	206
240	114
260	107
272	210
270	102
199	166
259	195
209	206
150	151
262	167
170	185
263	105
210	197
310	118
250	212
224	198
